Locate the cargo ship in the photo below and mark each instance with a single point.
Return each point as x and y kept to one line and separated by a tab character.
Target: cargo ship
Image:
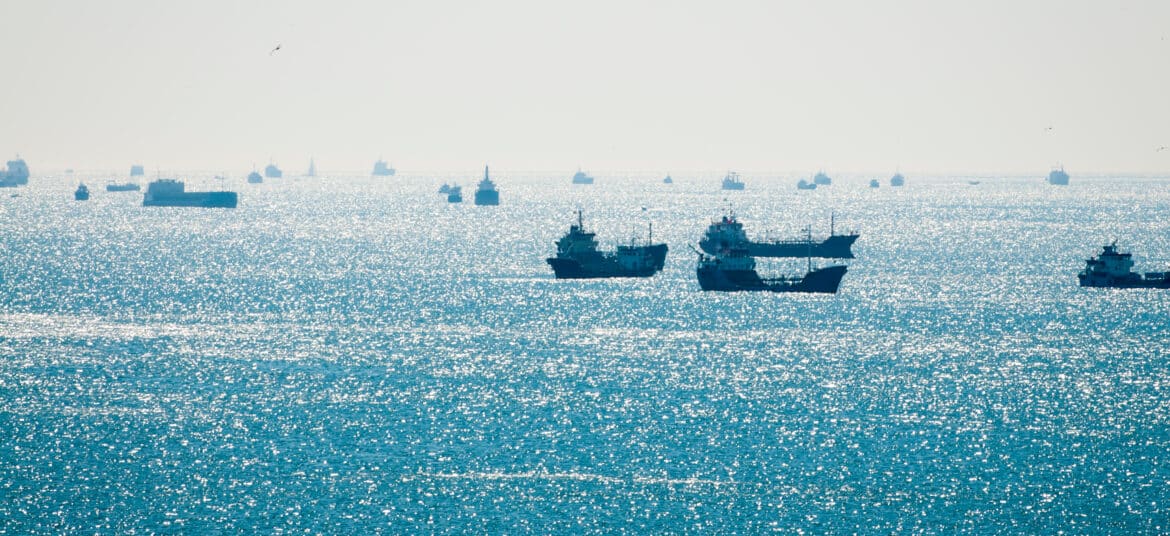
123	187
1112	269
382	170
578	257
486	193
731	181
1058	177
14	174
727	233
580	177
172	193
734	270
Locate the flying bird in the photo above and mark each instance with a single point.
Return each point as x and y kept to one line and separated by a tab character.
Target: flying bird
273	51
1047	129
1162	148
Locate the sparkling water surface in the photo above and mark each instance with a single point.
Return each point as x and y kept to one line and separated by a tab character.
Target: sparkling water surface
355	355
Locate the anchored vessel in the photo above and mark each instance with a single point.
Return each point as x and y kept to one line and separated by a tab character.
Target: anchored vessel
136	170
578	257
455	194
82	193
255	178
171	193
1112	269
732	182
668	180
486	193
1058	177
727	233
580	177
272	172
124	187
14	174
805	185
735	270
821	179
382	170
312	169
873	183
897	180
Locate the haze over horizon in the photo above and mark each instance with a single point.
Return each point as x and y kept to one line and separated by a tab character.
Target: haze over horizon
845	85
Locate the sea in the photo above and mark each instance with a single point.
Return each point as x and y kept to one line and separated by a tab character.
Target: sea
355	355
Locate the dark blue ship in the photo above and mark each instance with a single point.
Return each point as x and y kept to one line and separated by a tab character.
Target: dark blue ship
734	270
578	257
82	193
1112	269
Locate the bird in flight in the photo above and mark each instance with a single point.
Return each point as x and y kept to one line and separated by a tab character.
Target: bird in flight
273	51
1162	148
1047	129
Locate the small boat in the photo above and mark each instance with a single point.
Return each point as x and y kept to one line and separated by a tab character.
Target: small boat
821	179
731	181
82	193
668	180
255	178
445	189
124	187
805	185
973	183
382	170
580	177
897	180
455	194
137	170
312	169
873	183
272	172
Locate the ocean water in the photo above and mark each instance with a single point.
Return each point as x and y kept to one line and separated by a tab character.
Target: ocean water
355	355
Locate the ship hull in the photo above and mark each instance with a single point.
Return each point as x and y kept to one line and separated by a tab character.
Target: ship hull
833	247
487	197
1135	281
823	280
193	199
650	261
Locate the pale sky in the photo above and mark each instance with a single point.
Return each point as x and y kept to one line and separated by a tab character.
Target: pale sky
849	85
